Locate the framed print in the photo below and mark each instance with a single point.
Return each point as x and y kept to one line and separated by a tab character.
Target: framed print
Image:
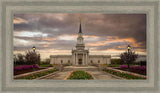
79	46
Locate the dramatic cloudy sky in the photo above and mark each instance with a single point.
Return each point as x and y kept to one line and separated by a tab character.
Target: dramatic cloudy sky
54	34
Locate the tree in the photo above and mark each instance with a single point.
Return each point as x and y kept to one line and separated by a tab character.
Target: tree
47	60
39	59
15	59
32	57
19	59
128	57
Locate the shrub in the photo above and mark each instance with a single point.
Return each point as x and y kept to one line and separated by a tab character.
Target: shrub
139	69
116	61
143	63
24	67
124	66
36	66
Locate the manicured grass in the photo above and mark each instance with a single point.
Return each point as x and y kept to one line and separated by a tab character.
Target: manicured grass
36	75
117	65
80	75
46	65
113	65
123	75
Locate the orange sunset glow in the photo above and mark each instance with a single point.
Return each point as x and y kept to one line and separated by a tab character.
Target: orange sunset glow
54	34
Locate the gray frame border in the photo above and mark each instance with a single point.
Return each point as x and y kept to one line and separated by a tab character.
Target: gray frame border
4	5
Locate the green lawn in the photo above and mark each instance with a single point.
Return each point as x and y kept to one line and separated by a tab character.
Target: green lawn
45	65
113	65
118	65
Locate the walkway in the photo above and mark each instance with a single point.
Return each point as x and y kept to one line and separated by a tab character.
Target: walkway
98	75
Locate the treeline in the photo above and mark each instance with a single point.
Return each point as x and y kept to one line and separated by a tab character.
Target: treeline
29	58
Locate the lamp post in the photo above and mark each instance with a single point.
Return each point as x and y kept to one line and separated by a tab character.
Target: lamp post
128	60
34	50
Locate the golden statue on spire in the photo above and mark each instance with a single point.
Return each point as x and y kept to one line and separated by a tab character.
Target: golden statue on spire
80	19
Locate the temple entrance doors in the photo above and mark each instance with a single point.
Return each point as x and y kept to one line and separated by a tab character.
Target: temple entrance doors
80	61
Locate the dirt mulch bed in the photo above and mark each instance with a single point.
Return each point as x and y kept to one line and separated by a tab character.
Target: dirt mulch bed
26	71
134	71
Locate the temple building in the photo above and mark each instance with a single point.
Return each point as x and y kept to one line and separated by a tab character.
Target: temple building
80	55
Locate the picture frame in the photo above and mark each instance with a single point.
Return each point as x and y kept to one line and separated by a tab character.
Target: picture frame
149	7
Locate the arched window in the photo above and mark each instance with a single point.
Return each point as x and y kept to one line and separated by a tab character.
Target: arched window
68	61
61	61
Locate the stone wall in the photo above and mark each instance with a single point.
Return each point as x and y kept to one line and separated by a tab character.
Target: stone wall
93	59
99	59
60	59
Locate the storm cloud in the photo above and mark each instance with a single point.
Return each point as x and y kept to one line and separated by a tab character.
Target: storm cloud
59	31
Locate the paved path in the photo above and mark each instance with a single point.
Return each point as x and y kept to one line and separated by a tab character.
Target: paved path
98	75
56	75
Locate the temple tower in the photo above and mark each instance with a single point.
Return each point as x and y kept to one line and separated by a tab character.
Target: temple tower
80	54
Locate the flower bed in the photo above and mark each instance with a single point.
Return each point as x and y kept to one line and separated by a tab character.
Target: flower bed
123	75
36	75
135	69
80	75
25	69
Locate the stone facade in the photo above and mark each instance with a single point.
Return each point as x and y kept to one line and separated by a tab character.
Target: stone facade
85	59
99	59
80	55
60	59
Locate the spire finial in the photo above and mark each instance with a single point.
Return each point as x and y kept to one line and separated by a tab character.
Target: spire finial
80	19
80	31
